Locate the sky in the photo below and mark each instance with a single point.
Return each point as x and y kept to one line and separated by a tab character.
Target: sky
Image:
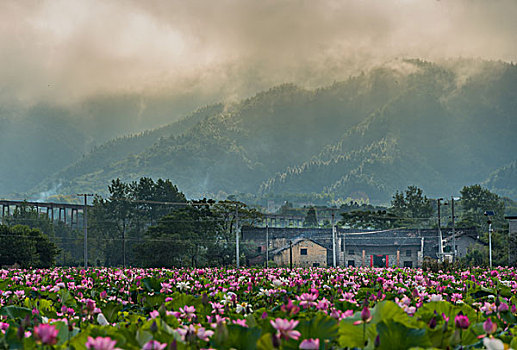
66	51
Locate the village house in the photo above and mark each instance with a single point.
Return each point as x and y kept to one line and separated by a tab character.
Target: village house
381	248
301	252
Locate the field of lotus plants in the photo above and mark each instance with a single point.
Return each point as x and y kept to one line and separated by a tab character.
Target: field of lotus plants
312	308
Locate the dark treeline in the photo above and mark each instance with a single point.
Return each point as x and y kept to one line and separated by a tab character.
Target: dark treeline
152	224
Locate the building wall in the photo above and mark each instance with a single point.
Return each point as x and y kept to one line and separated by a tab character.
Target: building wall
316	254
513	241
355	254
464	244
403	239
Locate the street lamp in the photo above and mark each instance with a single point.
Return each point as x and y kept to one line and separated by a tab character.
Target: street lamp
488	214
440	238
453	228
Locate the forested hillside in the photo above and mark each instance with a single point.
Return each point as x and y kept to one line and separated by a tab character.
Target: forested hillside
438	126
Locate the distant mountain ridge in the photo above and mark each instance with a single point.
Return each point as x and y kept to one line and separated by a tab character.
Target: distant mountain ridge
436	125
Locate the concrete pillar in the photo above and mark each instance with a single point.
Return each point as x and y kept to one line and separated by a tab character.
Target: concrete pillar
398	258
341	249
364	258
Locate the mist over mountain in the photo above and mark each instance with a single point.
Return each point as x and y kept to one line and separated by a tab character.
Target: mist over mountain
44	138
504	180
437	125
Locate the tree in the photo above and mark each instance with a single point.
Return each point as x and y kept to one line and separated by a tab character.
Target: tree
411	206
64	237
225	212
475	200
180	238
26	247
368	219
310	218
29	216
122	219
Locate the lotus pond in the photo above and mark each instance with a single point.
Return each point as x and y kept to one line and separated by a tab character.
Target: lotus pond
312	308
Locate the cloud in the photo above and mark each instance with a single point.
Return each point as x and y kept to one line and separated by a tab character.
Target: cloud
65	51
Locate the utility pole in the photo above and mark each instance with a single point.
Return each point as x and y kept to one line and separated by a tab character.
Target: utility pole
488	214
333	241
85	224
267	244
440	238
291	255
490	241
453	230
237	234
124	244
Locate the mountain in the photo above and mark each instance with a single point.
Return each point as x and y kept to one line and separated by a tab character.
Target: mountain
434	134
436	125
39	140
34	145
504	180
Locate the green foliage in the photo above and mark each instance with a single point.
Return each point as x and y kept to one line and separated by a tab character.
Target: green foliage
117	222
26	247
411	206
310	219
64	236
475	200
369	219
195	235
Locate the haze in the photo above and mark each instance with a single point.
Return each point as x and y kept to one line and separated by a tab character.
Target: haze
64	52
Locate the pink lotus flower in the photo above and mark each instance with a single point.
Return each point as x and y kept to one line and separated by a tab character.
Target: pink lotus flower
489	326
166	288
365	314
240	322
188	311
217	308
307	300
290	308
310	344
503	307
90	305
154	345
46	333
192	331
285	328
3	326
461	321
100	343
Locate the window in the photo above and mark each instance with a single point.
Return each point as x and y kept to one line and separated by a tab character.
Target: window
342	244
408	252
303	251
259	249
315	264
351	252
408	264
351	263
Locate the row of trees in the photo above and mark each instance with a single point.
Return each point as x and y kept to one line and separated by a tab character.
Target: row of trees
29	238
411	208
26	247
149	223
